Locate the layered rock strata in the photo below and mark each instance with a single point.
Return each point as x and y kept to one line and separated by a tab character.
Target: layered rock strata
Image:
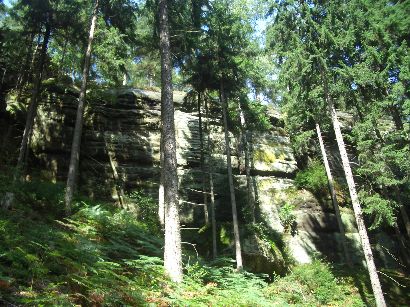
124	125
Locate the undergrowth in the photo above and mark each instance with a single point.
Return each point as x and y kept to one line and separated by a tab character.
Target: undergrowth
105	256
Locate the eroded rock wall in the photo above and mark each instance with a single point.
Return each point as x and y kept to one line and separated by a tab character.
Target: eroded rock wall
127	127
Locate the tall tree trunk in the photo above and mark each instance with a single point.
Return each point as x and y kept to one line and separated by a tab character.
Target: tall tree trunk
250	198
172	250
117	181
238	253
255	188
211	182
202	159
161	205
8	200
403	250
25	65
374	278
61	68
405	219
334	198
32	111
78	129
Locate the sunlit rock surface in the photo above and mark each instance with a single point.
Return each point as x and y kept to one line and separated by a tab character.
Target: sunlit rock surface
125	123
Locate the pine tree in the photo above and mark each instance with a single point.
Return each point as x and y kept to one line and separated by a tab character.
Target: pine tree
238	250
75	148
172	251
311	56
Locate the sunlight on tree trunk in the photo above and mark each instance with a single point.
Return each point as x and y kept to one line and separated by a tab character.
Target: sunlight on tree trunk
161	205
250	197
238	251
202	159
172	250
211	181
371	267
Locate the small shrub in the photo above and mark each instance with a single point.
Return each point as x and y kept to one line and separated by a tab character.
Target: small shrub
42	195
287	217
313	178
146	209
313	285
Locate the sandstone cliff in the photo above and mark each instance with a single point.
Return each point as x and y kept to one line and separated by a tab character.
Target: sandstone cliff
123	125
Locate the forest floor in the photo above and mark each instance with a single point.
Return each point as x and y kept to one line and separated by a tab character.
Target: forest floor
106	256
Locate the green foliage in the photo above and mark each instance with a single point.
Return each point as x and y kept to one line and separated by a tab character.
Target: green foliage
381	210
219	285
99	255
313	178
146	209
278	247
42	194
106	256
313	285
287	216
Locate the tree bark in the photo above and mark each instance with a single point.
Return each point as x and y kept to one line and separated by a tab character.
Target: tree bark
202	159
78	129
403	250
8	200
172	250
25	65
250	198
255	189
211	183
374	278
334	198
405	219
161	205
117	182
238	251
32	111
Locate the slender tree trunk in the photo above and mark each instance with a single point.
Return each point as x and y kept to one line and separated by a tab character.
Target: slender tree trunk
78	129
172	250
63	56
8	200
405	219
202	159
117	181
374	278
230	178
211	183
403	250
6	138
161	205
334	198
32	111
25	65
255	190
2	78
250	198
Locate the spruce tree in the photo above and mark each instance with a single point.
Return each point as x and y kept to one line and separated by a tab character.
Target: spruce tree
172	250
75	147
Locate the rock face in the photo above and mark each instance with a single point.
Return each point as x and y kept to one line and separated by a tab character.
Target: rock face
124	125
